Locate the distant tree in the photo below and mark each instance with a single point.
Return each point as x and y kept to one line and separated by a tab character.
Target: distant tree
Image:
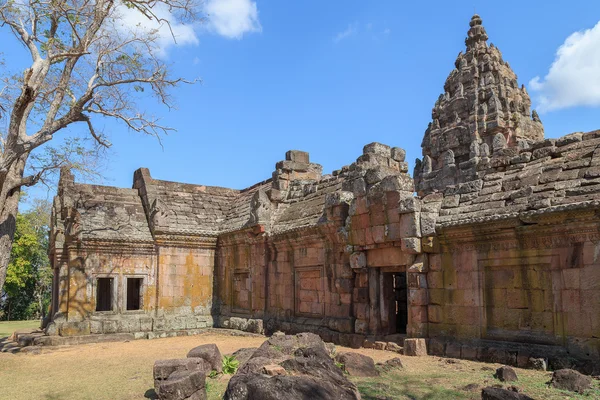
26	292
85	64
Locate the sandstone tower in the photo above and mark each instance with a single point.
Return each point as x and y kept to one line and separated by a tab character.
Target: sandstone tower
482	110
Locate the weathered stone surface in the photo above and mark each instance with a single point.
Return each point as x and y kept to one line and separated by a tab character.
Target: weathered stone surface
500	241
310	372
568	379
506	374
493	393
274	370
357	364
180	379
391	364
242	355
415	347
537	363
210	353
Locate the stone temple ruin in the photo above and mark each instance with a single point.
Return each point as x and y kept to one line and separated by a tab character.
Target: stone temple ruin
495	258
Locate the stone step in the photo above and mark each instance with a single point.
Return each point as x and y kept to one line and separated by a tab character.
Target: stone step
10	347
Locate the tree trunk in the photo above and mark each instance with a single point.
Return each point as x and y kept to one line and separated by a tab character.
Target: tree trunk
9	207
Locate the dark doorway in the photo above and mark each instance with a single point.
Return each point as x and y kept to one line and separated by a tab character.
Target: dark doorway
104	294
134	286
401	301
395	309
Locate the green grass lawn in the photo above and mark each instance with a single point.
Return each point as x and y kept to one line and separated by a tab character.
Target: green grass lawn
8	327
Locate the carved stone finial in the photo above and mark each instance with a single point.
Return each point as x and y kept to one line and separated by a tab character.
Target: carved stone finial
476	34
260	209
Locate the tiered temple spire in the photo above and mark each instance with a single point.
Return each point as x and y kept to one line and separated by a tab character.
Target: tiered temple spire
481	99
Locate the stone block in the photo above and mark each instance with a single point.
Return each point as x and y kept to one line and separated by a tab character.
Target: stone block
401	183
453	350
435	313
409	205
418	297
210	353
398	154
379	345
391	346
361	326
110	326
95	327
145	324
410	225
415	347
411	245
469	352
427	223
378	148
436	347
297	156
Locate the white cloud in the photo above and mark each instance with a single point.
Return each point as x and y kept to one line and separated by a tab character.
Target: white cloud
130	20
233	18
350	31
387	31
574	76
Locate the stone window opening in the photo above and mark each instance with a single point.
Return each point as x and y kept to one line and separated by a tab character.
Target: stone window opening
134	294
104	294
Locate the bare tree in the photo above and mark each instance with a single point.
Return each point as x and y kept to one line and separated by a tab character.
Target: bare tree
86	64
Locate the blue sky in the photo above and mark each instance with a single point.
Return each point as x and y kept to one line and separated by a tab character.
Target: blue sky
330	76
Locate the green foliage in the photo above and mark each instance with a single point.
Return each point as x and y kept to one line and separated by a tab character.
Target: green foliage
213	374
230	365
26	292
341	366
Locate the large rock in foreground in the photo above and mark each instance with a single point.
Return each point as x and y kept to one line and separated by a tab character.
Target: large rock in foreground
310	373
568	379
181	379
210	353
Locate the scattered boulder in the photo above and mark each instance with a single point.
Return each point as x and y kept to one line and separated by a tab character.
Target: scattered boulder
568	379
391	364
210	353
506	374
243	355
471	387
310	373
183	385
357	364
415	347
391	346
494	393
379	345
181	379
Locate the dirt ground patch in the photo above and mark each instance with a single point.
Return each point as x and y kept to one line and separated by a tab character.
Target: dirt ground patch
124	371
